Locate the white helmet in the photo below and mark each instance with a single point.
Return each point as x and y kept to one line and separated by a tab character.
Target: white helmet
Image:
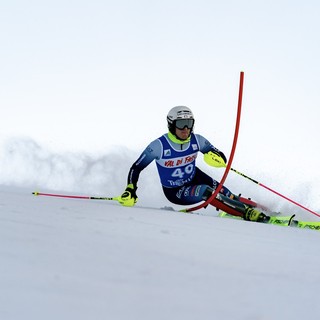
177	113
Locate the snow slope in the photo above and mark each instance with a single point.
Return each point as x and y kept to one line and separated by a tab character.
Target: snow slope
85	259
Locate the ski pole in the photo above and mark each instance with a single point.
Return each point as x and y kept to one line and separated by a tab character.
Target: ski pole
74	197
277	193
216	161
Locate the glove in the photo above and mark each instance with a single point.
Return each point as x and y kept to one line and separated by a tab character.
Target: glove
129	197
215	159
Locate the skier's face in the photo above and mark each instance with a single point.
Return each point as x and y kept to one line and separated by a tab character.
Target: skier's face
183	134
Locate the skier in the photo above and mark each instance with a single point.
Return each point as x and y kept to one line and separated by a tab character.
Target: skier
182	181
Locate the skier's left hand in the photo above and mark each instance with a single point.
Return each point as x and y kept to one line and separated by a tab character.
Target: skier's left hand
215	159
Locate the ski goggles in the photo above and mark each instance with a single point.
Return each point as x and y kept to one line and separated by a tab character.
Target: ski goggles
182	123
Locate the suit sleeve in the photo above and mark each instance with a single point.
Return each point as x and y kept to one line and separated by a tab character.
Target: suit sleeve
205	146
150	153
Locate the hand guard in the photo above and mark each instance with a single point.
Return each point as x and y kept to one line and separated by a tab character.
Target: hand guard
129	197
214	159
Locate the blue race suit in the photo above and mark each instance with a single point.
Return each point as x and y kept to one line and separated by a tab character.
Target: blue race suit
182	181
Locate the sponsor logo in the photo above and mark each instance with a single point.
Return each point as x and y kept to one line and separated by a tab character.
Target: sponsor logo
281	221
179	193
179	182
179	161
187	191
197	192
310	226
183	114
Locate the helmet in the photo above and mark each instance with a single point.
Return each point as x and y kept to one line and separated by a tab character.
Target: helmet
176	113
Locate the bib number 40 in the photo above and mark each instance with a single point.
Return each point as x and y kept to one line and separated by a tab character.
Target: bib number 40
180	172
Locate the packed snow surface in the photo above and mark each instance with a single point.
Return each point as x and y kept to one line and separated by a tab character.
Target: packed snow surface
90	259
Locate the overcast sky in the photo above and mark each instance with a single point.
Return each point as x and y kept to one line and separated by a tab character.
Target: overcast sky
87	75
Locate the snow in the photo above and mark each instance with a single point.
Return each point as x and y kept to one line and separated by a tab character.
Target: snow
90	259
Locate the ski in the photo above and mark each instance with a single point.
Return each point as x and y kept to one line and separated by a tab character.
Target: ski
313	225
287	221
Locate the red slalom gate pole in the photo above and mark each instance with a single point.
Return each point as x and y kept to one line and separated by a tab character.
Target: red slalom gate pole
233	149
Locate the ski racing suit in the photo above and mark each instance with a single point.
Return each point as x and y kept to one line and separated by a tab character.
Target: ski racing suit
182	181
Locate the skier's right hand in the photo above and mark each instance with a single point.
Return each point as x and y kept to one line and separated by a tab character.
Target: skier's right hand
129	197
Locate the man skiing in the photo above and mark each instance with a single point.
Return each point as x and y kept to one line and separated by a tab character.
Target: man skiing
183	183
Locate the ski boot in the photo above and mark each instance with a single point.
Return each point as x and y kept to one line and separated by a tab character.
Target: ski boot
251	214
